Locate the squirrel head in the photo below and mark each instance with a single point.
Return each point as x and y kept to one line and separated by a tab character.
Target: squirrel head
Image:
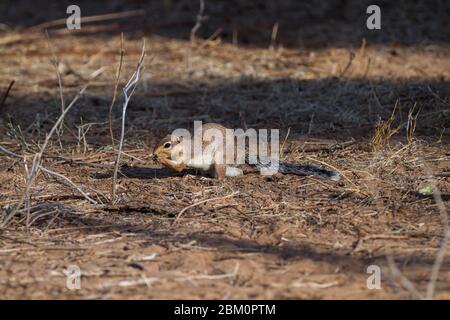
165	147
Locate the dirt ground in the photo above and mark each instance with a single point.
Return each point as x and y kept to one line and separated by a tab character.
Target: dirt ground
340	95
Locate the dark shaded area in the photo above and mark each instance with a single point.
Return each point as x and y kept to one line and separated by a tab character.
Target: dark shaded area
301	24
341	108
144	173
444	197
173	235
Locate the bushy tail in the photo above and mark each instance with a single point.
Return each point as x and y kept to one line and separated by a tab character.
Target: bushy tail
297	169
307	170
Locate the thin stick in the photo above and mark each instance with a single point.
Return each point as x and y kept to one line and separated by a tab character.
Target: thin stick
216	276
38	156
273	37
59	175
96	18
50	172
437	265
445	242
349	63
198	24
284	141
5	95
119	69
128	91
408	285
332	167
203	201
55	62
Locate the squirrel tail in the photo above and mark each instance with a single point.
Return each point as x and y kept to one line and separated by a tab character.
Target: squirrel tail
297	169
308	170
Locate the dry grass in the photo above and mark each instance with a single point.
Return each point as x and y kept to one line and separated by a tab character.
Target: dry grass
384	131
355	109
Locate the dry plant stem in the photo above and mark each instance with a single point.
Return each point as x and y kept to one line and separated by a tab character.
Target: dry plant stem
38	156
332	167
284	142
445	242
201	202
273	37
384	131
405	283
56	174
119	69
58	74
437	265
412	122
349	63
5	95
96	18
128	91
442	249
198	24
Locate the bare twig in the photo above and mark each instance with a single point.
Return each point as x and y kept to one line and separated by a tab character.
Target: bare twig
284	142
59	175
55	62
96	18
332	167
50	172
437	265
198	24
5	95
232	274
119	69
431	286
128	91
408	285
38	156
201	202
445	241
349	63
200	19
273	37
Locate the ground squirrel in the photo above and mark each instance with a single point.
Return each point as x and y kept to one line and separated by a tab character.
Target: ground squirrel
178	152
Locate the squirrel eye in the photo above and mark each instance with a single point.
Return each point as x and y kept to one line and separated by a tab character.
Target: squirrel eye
167	145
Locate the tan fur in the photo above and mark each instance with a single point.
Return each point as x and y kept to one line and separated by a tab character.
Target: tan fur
165	155
172	153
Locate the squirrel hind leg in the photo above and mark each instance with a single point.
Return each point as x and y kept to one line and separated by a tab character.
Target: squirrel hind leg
233	172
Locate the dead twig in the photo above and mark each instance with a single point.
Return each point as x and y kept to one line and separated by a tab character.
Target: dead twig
284	142
201	202
349	63
55	62
200	19
198	24
404	282
52	173
96	18
6	93
36	164
445	241
437	265
119	69
128	91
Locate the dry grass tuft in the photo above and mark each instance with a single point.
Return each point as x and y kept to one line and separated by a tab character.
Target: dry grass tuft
384	131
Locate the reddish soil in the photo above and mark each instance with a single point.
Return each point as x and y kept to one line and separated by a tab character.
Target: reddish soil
275	237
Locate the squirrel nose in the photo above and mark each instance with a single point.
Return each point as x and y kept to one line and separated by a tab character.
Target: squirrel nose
154	157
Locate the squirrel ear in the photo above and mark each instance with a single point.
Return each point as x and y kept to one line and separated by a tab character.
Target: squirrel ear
179	139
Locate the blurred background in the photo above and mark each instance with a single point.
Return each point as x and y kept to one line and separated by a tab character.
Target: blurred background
301	24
